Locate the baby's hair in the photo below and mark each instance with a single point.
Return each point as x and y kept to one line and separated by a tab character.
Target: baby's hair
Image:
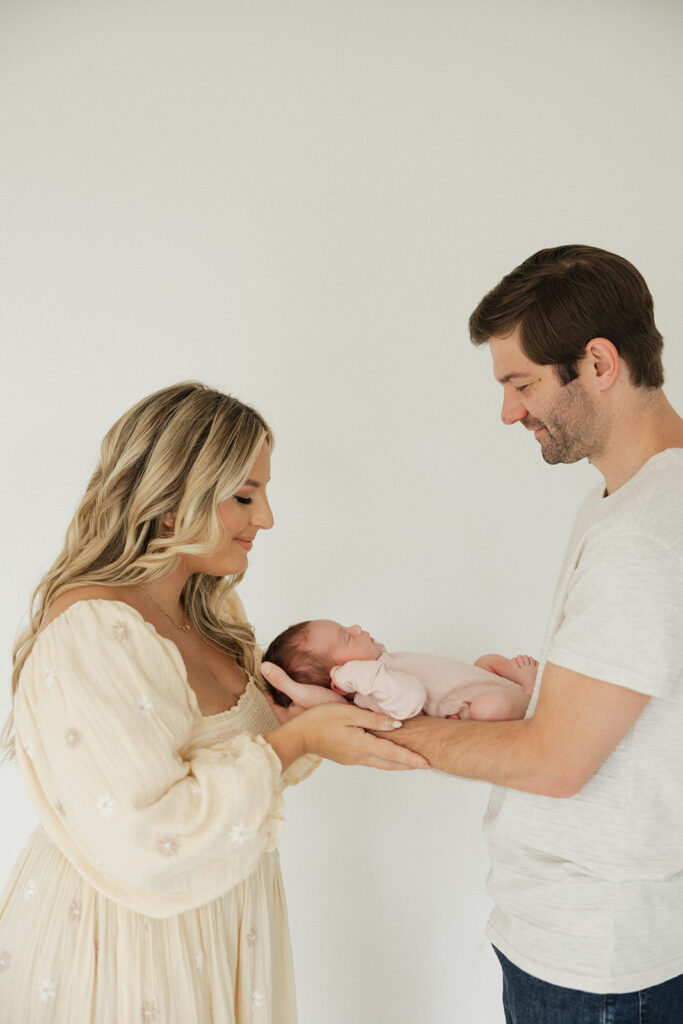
288	650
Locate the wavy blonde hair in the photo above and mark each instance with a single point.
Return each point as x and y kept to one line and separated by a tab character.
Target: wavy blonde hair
182	449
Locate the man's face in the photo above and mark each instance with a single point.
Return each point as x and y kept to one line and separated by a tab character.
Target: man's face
564	418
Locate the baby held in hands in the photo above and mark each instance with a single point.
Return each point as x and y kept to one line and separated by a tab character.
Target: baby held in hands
351	665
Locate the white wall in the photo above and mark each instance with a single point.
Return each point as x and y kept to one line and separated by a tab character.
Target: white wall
301	202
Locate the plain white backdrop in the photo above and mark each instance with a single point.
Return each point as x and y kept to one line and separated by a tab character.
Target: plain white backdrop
300	203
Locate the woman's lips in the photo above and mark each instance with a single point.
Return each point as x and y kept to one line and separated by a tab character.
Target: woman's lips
246	544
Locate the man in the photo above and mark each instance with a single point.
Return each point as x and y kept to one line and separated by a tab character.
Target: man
585	823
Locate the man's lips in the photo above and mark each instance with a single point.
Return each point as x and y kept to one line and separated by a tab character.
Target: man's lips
535	426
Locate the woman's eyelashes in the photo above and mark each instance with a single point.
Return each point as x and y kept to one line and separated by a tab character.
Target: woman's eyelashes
242	501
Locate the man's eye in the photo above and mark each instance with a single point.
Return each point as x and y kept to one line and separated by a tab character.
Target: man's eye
522	387
242	501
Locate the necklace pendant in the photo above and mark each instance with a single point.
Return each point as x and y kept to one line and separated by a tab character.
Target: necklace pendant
186	627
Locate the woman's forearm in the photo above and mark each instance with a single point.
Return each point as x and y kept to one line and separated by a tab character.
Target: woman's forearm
288	743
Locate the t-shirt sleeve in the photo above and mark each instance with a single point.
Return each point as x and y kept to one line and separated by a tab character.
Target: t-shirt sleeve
623	613
395	693
103	732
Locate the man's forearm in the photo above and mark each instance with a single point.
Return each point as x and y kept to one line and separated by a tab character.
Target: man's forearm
504	753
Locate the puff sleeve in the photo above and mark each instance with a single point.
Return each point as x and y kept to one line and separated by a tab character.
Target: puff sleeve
378	688
104	716
300	769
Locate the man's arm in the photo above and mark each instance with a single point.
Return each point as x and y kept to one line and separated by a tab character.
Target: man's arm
578	721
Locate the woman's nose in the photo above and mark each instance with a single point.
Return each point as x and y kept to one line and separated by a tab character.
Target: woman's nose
513	410
263	515
355	629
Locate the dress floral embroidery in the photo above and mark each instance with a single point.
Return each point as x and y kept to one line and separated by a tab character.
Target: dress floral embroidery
30	890
120	631
50	677
149	1012
240	833
46	990
167	846
144	706
72	737
5	961
106	805
75	911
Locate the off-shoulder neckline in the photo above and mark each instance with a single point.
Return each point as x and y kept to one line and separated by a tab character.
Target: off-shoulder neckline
251	681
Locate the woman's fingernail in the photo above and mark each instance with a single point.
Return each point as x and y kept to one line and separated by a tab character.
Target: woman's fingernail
396	725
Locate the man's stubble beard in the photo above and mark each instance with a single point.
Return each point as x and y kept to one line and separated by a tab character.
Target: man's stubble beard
572	429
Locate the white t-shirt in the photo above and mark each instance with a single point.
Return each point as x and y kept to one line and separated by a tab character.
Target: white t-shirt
588	891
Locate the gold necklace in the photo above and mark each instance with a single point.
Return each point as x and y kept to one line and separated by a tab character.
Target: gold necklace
185	628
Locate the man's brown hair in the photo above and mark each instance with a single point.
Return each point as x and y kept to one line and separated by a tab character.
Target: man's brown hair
561	298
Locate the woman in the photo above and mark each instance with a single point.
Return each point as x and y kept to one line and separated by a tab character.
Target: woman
152	891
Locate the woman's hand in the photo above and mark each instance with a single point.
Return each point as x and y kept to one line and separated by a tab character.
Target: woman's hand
302	695
338	732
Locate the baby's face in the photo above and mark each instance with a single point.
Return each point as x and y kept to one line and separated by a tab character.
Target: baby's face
342	643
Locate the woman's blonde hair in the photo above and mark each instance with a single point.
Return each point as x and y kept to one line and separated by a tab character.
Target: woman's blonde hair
183	449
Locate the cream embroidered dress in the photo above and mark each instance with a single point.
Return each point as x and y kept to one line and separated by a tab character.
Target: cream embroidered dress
152	892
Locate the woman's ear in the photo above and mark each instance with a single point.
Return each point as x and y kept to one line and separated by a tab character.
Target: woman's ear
602	359
168	519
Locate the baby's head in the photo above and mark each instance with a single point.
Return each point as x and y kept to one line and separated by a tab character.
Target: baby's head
308	651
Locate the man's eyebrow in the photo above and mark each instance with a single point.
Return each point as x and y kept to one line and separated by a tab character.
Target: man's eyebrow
514	376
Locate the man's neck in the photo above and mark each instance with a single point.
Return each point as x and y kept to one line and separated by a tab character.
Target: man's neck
643	426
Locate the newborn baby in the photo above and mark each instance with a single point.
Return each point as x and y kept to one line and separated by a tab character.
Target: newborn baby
402	684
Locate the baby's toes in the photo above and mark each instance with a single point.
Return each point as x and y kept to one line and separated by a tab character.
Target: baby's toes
525	661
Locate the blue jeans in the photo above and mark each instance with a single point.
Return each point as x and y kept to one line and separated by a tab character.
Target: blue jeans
527	1000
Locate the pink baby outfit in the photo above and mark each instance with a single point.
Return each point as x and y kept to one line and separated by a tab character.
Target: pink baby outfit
403	683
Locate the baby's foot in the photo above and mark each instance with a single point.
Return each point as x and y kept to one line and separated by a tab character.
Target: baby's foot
527	667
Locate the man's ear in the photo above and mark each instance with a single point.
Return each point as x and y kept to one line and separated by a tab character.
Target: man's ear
602	360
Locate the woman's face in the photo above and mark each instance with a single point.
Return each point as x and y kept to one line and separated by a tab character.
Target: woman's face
243	514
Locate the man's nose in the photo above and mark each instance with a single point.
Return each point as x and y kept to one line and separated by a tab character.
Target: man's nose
356	630
513	409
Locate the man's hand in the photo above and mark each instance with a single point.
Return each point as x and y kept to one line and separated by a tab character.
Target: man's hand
577	723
